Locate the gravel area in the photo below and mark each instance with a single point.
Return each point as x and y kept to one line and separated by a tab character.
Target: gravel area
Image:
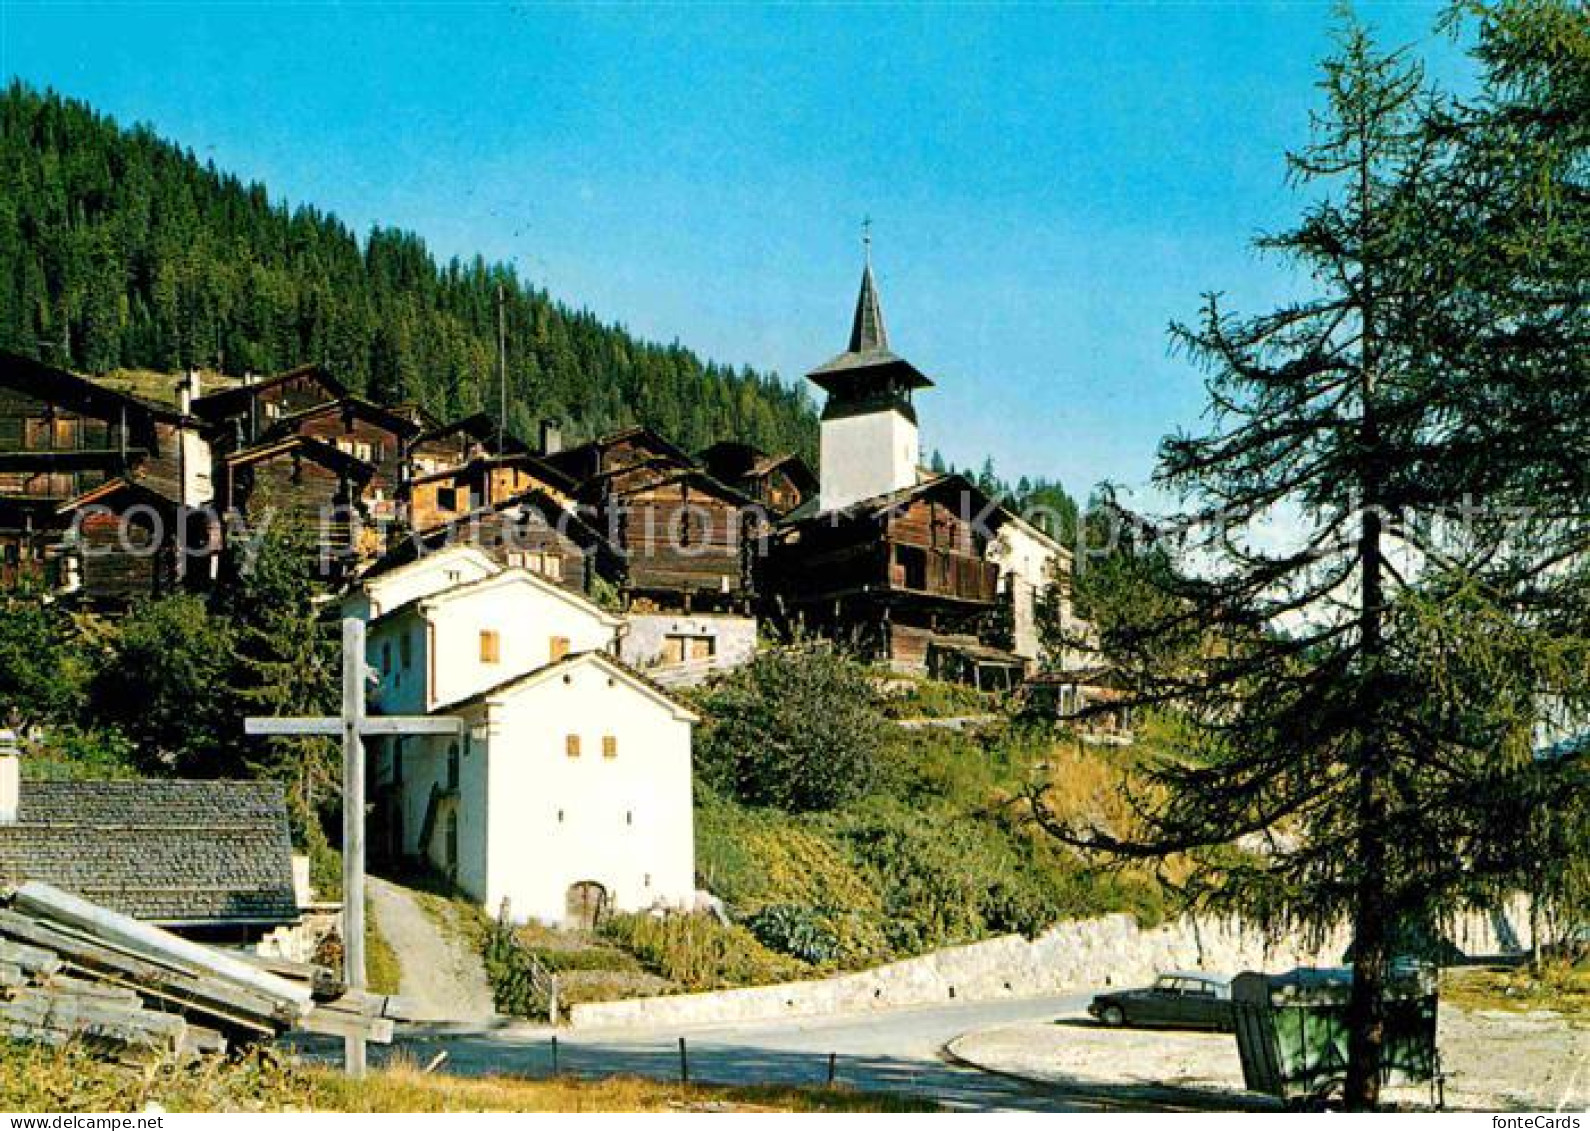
1494	1060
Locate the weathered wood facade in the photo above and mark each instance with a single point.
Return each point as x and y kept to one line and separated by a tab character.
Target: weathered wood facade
367	432
445	496
779	483
894	575
243	414
124	541
307	486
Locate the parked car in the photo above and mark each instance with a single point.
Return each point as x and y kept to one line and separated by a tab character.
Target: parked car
1180	1000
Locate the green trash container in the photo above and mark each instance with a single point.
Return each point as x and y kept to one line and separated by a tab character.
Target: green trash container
1292	1030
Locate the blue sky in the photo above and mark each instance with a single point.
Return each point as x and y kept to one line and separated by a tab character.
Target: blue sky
1049	185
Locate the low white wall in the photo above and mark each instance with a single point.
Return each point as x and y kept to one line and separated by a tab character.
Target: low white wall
1082	954
1085	954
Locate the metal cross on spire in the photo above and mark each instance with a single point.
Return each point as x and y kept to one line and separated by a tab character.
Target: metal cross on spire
352	725
866	238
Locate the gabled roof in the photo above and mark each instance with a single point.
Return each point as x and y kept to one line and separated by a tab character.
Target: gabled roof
571	457
505	575
731	460
191	852
608	663
120	485
49	382
215	406
321	452
393	422
664	473
880	505
391	568
481	426
536	465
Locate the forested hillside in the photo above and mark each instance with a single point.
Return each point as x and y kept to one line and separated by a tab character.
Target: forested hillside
120	249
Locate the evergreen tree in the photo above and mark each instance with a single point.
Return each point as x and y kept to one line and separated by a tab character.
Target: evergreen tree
1334	728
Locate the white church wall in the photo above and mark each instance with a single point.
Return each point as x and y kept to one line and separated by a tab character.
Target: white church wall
626	821
1026	559
866	455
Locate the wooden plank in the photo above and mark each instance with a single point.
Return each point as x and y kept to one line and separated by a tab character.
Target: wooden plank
60	906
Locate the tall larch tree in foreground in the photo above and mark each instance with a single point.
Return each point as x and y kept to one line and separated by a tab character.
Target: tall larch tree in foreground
1337	725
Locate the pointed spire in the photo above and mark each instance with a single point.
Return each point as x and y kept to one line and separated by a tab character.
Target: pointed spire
867	333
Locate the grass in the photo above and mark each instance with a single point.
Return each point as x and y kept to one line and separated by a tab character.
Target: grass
382	967
39	1079
1557	986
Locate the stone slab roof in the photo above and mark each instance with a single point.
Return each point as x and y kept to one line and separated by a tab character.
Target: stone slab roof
189	852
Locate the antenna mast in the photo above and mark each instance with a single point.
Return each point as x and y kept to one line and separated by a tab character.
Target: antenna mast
502	372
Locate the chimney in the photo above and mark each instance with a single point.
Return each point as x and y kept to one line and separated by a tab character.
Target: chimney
10	778
188	391
551	435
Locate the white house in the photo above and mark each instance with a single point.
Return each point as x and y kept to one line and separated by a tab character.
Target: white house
1029	562
570	790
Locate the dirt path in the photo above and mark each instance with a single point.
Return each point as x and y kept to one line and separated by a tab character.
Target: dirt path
442	979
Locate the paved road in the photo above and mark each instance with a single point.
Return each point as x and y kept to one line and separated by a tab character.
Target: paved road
895	1050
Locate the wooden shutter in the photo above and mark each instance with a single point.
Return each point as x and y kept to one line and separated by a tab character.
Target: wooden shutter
490	647
571	746
560	647
609	746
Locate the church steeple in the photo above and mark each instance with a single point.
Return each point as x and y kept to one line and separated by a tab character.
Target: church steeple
869	433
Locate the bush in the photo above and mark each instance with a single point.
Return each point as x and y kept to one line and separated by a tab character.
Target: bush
699	953
43	668
753	858
797	728
820	936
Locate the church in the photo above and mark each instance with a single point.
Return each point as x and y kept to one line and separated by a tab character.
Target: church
569	794
922	572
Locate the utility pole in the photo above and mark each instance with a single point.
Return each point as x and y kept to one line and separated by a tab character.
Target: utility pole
502	368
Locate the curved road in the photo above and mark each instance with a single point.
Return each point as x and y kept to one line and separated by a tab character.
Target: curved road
888	1051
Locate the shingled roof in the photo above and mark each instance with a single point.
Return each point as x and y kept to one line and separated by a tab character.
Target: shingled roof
176	852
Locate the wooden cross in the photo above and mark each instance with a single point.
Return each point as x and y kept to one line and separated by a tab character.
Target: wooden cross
352	726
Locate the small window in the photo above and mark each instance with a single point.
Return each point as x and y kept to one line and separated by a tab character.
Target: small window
452	765
571	746
386	657
490	646
559	647
447	498
610	746
405	652
551	567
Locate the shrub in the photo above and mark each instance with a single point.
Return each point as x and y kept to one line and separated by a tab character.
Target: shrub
797	728
699	953
820	936
753	858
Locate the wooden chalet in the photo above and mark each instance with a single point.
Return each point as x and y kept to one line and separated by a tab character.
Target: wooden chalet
687	540
441	446
534	530
124	540
485	480
64	437
780	483
307	486
619	451
242	415
370	433
903	576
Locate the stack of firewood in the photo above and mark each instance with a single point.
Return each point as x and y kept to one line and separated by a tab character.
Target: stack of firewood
72	971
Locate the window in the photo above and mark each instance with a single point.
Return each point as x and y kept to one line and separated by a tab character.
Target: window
386	657
551	566
452	765
397	762
36	434
447	498
490	646
66	433
610	746
571	746
405	652
559	647
679	647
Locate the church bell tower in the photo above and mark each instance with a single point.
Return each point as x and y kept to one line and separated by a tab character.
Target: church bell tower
869	443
